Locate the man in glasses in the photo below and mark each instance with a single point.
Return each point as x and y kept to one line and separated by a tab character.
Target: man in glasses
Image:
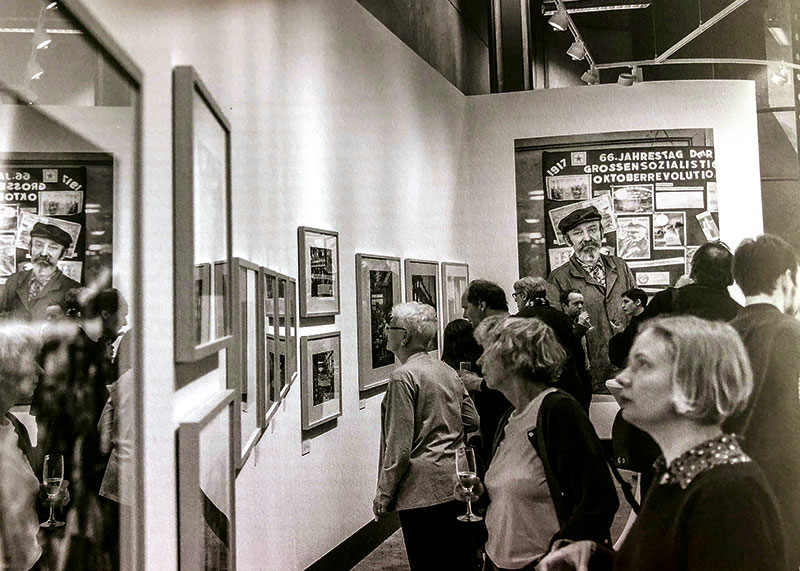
601	279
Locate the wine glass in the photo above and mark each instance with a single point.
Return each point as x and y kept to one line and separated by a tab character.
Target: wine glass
53	475
467	477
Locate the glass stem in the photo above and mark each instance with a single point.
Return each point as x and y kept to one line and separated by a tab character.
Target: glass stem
52	517
469	508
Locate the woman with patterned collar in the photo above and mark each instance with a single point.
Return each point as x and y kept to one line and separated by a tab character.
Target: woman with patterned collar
710	507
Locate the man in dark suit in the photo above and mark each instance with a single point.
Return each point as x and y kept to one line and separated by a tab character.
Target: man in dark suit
767	271
29	293
707	296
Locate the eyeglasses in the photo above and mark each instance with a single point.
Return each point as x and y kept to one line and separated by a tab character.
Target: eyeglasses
387	327
516	294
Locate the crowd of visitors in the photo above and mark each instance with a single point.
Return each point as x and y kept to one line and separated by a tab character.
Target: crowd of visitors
69	376
709	393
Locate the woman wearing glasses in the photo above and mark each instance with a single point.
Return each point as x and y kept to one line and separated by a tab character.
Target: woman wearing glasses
710	508
425	414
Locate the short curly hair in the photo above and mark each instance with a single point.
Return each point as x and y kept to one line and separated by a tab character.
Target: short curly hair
524	346
711	375
419	319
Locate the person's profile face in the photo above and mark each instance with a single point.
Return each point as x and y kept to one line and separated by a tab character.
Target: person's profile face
30	372
646	394
471	311
629	306
574	305
492	369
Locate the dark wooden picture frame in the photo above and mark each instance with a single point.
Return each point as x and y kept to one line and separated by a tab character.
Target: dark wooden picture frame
311	242
187	88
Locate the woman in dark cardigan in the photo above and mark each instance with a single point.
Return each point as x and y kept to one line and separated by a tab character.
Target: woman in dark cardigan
710	508
548	479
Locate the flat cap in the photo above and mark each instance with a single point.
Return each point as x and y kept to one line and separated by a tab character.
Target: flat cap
54	233
587	214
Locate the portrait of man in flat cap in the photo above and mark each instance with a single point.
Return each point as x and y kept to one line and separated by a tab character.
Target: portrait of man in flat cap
29	293
600	278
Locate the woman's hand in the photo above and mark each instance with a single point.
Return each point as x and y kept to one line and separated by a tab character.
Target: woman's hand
573	556
462	494
471	381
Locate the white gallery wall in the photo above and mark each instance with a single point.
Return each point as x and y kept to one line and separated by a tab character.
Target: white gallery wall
337	124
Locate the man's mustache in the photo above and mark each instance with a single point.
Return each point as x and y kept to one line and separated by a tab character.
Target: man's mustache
43	259
588	243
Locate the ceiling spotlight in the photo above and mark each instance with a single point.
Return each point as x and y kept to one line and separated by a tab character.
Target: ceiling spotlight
628	79
51	5
591	76
577	50
560	20
35	70
41	39
778	32
780	77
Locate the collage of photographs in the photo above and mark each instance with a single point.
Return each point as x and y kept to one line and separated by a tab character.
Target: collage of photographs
655	226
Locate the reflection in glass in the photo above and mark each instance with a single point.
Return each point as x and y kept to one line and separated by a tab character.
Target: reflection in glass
68	176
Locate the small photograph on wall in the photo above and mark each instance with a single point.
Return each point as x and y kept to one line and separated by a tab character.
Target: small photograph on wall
421	285
650	279
378	289
569	187
669	230
603	205
60	202
690	250
633	237
455	278
8	255
319	271
8	217
559	256
321	385
708	225
633	198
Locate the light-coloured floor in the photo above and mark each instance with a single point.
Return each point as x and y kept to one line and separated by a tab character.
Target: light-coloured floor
391	554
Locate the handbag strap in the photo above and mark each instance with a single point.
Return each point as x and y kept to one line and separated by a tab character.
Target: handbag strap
627	489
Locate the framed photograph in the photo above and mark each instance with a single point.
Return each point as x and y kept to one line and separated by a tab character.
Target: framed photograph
633	237
669	230
202	209
202	300
8	255
378	289
321	385
291	328
245	356
633	198
282	340
60	202
455	278
222	292
319	271
422	284
272	393
603	205
569	187
206	486
9	214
